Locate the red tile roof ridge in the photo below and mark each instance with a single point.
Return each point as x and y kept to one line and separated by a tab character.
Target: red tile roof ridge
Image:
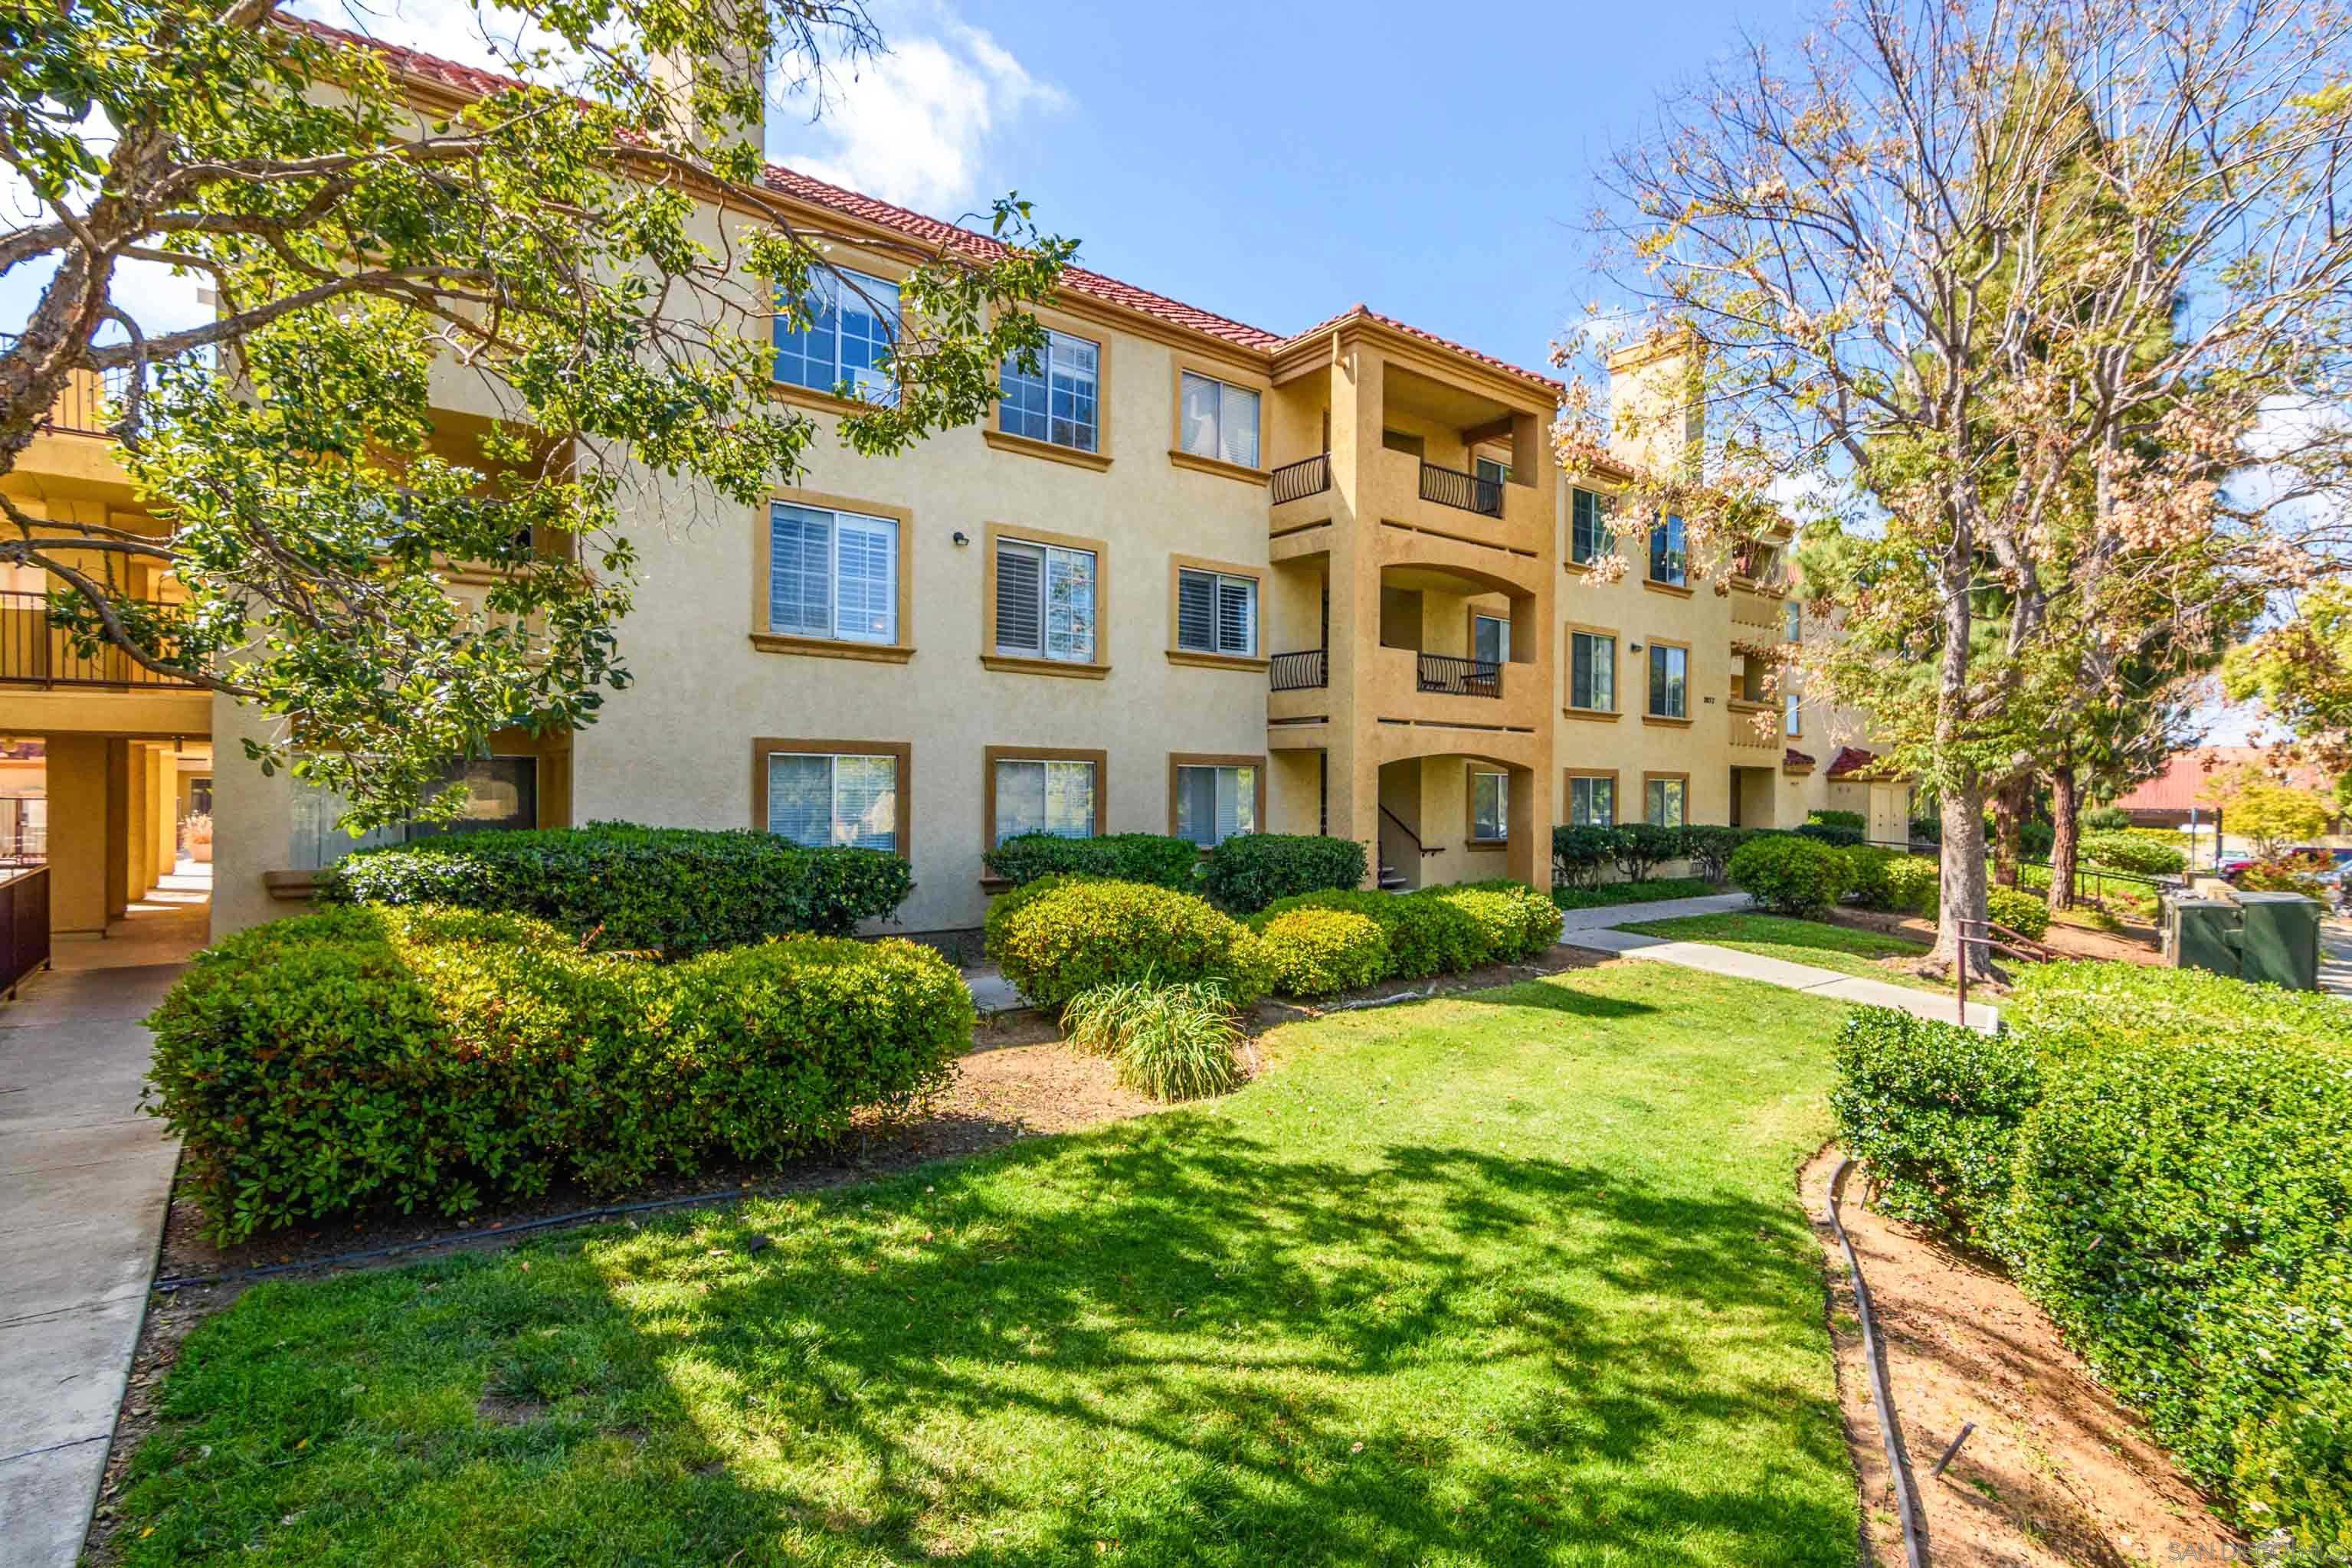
890	215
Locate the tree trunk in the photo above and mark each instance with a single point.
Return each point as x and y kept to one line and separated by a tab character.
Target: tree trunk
1961	795
1962	880
2008	808
2065	834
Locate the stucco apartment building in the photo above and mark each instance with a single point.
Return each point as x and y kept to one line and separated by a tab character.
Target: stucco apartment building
1192	577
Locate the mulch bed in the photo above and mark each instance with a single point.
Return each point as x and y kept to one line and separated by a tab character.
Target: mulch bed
2135	945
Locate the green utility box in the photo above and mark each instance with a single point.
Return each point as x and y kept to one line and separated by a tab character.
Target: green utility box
2278	940
2201	933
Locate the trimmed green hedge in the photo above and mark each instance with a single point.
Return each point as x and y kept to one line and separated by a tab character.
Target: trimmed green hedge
1710	849
1852	820
2164	1159
1313	953
2106	819
1789	874
1250	871
1060	935
1914	882
1515	922
1156	859
1608	895
1868	879
1426	935
433	1058
2024	913
675	891
2131	852
1579	854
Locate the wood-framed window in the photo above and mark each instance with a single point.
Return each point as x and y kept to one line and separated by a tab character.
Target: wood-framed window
1213	798
1591	799
1044	602
1589	537
1060	790
1669	553
1669	686
831	577
1489	792
842	348
1057	405
833	793
1592	671
1665	799
1215	613
1220	423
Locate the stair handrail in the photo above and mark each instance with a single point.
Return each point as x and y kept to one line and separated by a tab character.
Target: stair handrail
1409	833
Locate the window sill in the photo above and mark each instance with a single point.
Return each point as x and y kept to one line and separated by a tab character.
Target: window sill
1670	589
1665	719
1215	661
1486	843
1218	465
1593	715
822	401
1027	447
1013	665
832	648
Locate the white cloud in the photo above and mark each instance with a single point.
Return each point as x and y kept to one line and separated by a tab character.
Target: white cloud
487	36
913	125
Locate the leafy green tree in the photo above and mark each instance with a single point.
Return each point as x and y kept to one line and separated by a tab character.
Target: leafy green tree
2301	673
582	254
2276	816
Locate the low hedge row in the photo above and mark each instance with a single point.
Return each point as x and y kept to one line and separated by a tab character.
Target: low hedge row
1315	953
1062	935
2163	1157
1788	874
1246	873
432	1058
1242	875
1443	930
2131	851
1153	859
675	891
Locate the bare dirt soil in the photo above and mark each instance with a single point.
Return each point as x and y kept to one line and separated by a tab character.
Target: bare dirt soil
2134	942
2056	1474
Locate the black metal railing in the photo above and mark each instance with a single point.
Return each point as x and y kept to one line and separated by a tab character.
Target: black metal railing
1452	487
1299	672
23	926
34	653
1460	677
1305	478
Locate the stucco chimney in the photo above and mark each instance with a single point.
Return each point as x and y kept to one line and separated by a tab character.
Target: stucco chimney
674	74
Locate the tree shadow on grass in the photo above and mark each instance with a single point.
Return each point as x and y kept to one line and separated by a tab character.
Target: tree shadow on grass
1557	993
1171	1341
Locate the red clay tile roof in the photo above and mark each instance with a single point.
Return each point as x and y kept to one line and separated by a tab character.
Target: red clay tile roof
1850	760
1793	758
2183	783
475	82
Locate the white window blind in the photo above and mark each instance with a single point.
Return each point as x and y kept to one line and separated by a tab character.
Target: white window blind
1490	812
1212	804
1056	797
1216	613
818	801
832	574
1045	601
1219	420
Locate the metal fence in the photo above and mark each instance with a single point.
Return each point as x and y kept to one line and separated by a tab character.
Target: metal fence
23	926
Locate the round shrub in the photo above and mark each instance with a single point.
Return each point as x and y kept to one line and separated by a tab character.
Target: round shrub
2106	819
2022	912
1789	874
1312	952
1062	935
1827	819
1426	935
1157	860
1250	871
1914	882
1579	854
1515	922
1866	869
1828	833
2129	851
672	891
436	1058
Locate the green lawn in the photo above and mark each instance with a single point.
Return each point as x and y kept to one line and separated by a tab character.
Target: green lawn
1517	1276
1814	941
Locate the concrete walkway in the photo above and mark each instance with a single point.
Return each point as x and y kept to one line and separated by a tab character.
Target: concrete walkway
1594	929
85	1178
2335	955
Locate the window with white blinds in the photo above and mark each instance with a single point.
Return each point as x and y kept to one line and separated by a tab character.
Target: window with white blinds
1218	420
1215	803
1216	613
1490	806
819	801
1592	672
1045	601
832	574
1056	797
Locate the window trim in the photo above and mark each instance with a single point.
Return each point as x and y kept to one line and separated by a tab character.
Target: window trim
767	640
1602	501
1657	584
1690	681
1792	715
989	756
1232	376
1650	777
1177	565
1568	705
992	429
1568	778
1470	839
1022	663
1177	759
765	747
824	398
1472	615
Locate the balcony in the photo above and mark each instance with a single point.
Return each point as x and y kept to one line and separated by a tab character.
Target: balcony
1463	492
1309	670
33	652
1296	481
1454	677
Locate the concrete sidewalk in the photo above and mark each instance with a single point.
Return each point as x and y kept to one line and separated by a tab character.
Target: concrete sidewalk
1580	928
85	1178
